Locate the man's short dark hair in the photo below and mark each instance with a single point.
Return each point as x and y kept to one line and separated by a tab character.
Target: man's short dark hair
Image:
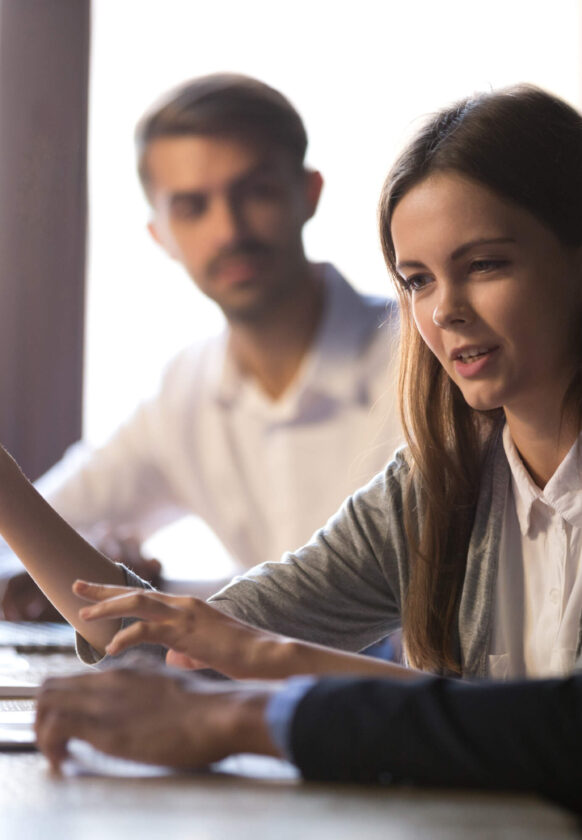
227	105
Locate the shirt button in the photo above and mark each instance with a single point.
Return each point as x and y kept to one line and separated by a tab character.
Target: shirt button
554	596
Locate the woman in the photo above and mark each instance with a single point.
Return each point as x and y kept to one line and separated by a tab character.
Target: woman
470	540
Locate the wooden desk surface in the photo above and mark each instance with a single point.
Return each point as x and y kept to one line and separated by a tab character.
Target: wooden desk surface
213	807
265	800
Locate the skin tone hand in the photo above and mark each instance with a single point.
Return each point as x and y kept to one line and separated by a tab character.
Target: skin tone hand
172	719
199	635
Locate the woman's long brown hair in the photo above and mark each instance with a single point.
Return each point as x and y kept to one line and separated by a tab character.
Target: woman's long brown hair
526	145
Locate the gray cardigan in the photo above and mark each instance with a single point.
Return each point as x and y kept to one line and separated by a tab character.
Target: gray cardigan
345	588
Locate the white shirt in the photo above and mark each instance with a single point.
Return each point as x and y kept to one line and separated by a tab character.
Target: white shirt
263	473
539	584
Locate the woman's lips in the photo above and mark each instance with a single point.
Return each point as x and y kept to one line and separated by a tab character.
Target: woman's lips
471	361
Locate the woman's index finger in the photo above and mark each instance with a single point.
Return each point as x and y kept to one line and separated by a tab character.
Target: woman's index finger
99	591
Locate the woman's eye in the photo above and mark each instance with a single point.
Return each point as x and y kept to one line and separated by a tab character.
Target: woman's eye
414	283
484	266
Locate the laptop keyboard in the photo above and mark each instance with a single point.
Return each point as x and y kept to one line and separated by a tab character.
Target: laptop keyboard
17	705
32	636
20	673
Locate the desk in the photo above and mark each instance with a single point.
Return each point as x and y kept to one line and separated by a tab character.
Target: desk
213	807
264	799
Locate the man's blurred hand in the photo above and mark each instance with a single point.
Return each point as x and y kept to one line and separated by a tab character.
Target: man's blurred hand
126	549
158	717
24	601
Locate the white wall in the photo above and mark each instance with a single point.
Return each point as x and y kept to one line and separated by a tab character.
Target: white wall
358	72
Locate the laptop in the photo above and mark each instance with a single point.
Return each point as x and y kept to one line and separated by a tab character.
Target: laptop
37	636
17	725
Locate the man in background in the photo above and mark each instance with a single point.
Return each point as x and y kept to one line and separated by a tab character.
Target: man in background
263	430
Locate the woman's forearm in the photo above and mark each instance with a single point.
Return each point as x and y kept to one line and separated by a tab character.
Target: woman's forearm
288	657
53	553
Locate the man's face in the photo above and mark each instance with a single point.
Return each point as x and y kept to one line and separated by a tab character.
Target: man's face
232	214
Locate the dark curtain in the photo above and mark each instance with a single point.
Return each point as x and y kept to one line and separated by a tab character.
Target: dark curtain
44	68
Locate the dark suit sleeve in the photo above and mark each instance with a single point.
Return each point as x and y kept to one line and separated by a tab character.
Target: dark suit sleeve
441	732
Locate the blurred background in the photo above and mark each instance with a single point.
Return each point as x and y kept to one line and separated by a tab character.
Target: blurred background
360	74
87	324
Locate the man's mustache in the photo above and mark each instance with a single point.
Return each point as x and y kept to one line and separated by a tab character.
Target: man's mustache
246	248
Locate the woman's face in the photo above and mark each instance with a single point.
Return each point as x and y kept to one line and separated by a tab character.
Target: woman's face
494	294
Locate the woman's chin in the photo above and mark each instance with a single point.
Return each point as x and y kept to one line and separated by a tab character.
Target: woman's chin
482	402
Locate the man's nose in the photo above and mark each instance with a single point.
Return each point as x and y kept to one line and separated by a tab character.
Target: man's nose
227	222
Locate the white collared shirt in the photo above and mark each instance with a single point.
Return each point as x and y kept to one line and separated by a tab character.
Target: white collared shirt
539	584
262	473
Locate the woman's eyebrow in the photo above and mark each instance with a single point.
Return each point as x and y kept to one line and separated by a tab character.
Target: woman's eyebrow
409	264
462	249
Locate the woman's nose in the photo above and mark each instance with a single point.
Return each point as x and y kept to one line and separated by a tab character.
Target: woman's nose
451	308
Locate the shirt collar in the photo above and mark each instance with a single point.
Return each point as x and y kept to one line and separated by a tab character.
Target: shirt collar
328	367
563	492
347	325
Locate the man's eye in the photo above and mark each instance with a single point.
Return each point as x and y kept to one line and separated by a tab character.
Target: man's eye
262	190
188	207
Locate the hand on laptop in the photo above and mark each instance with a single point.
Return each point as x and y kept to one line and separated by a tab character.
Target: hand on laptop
155	717
196	634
